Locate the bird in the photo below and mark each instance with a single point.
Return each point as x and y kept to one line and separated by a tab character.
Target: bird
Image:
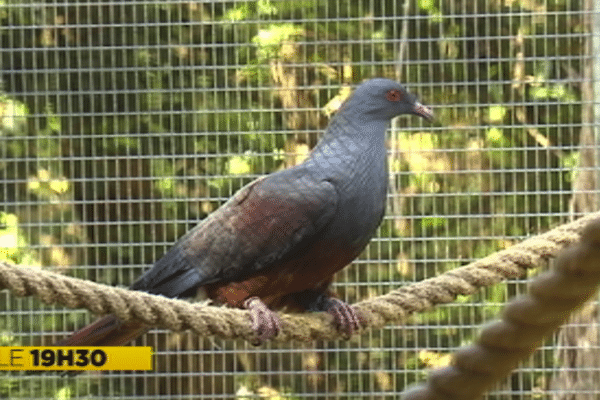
279	240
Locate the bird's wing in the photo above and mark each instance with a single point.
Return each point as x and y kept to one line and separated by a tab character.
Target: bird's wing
262	223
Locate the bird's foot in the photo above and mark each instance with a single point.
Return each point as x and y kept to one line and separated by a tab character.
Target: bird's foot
265	322
344	315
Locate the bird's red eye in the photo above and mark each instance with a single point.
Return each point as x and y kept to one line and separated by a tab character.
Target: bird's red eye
393	95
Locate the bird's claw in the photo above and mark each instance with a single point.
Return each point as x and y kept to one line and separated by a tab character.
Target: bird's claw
345	316
265	323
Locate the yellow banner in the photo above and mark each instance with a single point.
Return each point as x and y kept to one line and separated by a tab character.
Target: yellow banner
71	358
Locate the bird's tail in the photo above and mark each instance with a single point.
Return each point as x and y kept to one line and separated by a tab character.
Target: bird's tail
107	331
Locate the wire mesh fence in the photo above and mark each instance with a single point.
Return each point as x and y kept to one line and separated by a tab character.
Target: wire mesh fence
122	124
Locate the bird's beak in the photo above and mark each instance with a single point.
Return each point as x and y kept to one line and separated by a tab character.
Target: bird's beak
422	111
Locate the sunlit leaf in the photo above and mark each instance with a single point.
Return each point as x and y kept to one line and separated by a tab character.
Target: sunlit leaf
59	185
14	116
237	14
238	165
496	113
64	393
433	222
269	40
336	101
435	360
265	7
495	137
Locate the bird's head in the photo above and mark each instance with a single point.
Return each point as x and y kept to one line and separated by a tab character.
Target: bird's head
384	99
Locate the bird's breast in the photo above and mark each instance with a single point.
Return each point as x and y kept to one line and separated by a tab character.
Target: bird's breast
360	180
312	267
361	205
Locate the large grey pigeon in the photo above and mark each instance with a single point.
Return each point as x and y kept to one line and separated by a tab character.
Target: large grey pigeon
280	239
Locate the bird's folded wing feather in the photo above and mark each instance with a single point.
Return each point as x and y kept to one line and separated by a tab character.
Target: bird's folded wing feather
264	221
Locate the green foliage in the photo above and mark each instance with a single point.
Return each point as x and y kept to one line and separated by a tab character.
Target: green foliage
14	117
269	40
166	109
13	244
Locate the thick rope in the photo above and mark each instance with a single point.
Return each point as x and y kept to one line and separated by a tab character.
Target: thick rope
525	322
224	322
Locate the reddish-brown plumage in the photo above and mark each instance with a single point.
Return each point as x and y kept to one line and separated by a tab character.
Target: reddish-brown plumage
107	331
310	269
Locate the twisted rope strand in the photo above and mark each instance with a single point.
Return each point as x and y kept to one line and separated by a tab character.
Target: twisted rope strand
229	323
513	262
524	324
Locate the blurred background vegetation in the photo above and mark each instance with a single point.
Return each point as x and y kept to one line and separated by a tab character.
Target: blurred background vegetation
122	124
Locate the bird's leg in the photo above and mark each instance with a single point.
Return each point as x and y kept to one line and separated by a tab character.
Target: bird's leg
265	322
344	315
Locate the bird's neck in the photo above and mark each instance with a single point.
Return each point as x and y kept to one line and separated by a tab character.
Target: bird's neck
357	131
349	143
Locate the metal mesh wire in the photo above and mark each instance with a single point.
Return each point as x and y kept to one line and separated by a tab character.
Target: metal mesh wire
124	123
